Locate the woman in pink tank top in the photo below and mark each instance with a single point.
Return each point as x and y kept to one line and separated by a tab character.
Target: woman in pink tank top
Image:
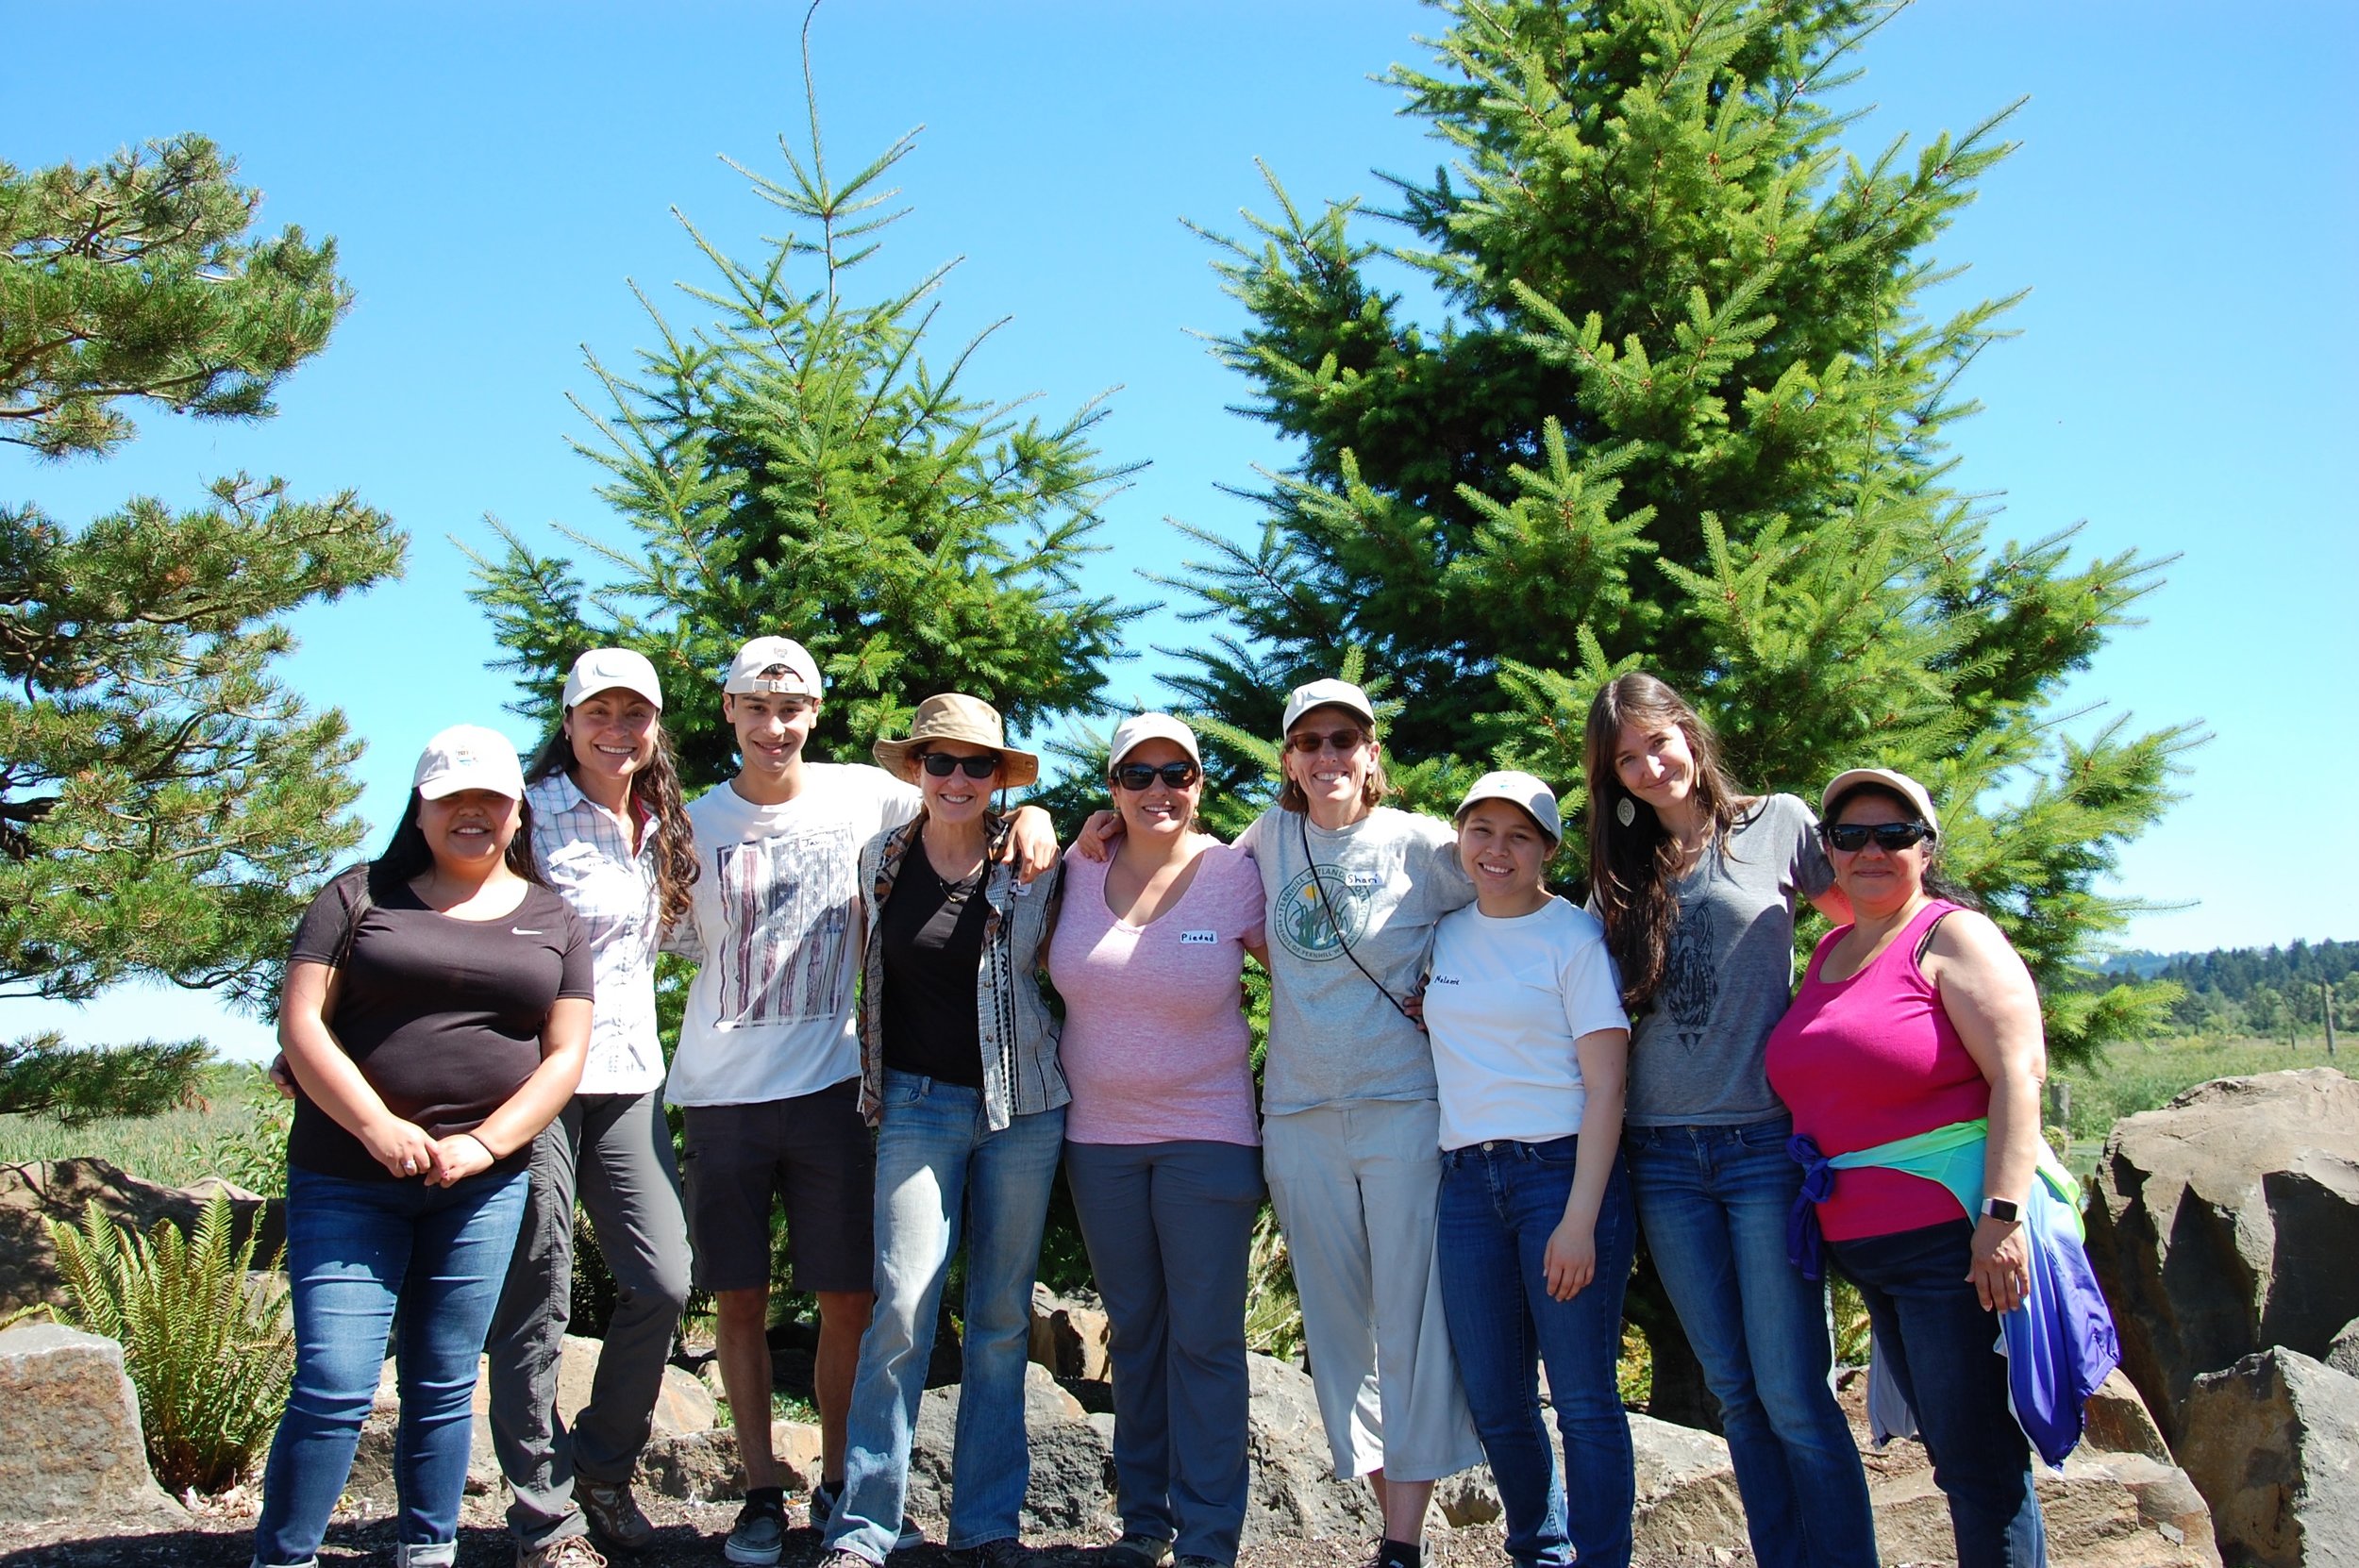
1918	1016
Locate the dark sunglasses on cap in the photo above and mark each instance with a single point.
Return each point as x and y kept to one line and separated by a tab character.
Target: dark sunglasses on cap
942	764
1311	742
1135	776
1891	837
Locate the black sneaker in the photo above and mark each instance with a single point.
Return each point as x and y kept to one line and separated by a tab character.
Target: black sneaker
826	1495
1007	1552
761	1532
1393	1554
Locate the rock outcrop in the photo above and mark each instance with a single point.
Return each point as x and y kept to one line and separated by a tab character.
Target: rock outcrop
2274	1444
1072	1481
33	1194
1072	1336
70	1440
2209	1222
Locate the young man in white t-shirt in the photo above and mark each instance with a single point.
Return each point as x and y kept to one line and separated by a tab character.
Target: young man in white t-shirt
767	1073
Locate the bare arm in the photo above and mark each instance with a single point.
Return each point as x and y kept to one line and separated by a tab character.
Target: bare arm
564	1046
332	1080
1096	841
1570	1261
1031	843
1835	904
1995	1008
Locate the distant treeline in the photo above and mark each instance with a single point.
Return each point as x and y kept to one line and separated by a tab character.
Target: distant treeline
2271	992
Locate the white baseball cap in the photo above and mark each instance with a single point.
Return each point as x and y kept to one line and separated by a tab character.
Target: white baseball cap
1898	783
1520	789
801	678
1151	726
1326	693
612	669
468	757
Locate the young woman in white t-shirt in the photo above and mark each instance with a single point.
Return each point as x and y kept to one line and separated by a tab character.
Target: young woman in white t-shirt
1530	1048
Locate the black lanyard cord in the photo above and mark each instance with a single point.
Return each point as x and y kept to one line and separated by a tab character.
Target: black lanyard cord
1334	924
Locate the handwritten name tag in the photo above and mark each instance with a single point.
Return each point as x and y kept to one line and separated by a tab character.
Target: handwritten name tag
1200	938
1359	880
1446	979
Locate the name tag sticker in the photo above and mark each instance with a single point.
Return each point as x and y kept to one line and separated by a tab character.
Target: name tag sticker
1200	938
1446	979
1359	880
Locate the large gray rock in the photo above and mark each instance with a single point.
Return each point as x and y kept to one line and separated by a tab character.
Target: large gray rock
70	1440
2210	1221
1072	1481
65	1190
2273	1444
683	1407
1294	1489
2106	1511
703	1467
1072	1336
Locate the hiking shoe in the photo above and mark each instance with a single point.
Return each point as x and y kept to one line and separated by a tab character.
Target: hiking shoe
1007	1552
612	1514
569	1552
826	1495
761	1531
1393	1554
1136	1551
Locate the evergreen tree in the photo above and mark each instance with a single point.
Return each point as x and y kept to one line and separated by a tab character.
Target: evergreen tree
1643	378
796	466
165	804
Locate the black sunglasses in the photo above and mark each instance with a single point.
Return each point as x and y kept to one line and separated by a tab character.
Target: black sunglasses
942	764
1891	837
1135	776
1311	742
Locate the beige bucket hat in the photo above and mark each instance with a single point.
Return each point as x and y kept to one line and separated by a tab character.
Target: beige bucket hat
955	716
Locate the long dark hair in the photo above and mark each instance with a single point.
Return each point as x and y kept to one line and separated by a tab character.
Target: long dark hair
409	856
655	791
1634	869
1936	881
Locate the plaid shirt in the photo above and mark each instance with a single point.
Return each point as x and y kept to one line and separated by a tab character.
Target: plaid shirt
585	851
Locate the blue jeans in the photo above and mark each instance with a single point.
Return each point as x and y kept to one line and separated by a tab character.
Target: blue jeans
1501	1202
938	1170
1941	1344
1713	1202
356	1250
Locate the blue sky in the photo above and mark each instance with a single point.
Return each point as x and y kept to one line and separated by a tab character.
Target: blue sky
2182	208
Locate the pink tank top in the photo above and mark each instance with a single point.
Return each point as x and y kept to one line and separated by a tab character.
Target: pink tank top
1867	1059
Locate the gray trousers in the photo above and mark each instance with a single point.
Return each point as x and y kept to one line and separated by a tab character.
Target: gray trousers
1168	1226
629	1183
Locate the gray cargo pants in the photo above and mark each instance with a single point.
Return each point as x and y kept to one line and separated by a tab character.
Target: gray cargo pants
629	1183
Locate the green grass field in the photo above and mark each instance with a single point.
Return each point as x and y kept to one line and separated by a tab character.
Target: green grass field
2140	1077
236	1131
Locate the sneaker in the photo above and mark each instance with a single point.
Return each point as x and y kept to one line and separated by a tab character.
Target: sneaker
1136	1551
761	1532
1006	1552
612	1514
1392	1554
572	1551
824	1498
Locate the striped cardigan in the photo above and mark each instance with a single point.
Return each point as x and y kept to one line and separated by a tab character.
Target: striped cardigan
1021	1074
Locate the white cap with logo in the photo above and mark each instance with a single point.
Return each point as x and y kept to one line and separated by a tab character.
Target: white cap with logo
799	675
1140	728
468	757
609	670
1520	789
1897	783
1326	693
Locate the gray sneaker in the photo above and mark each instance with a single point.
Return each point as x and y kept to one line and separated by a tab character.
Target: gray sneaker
612	1514
761	1532
826	1495
1136	1551
1007	1552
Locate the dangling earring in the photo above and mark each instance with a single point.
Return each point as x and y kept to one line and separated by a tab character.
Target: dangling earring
1624	812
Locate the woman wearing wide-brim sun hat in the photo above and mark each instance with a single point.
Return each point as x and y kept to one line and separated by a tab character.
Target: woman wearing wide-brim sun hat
959	1073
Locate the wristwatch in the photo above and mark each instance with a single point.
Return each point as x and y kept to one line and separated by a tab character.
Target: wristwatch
2005	1211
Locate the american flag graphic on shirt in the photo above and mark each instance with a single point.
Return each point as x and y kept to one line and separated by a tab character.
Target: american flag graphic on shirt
787	904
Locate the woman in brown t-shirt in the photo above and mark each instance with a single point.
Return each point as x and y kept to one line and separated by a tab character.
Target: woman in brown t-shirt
436	1013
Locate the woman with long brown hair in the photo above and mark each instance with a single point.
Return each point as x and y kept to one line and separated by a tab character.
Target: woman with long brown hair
1697	884
613	839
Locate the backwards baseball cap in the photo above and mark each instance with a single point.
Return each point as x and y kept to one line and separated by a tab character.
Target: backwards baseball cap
1326	693
800	676
468	757
1898	783
1520	789
1140	728
609	670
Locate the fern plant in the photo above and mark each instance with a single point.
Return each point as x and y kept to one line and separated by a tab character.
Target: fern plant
209	1350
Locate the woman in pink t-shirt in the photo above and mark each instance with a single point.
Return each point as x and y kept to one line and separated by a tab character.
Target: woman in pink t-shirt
1163	1149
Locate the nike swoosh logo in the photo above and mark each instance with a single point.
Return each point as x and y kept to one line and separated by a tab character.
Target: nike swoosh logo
520	931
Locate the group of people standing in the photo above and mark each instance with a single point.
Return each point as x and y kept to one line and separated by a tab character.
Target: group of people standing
1460	1130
